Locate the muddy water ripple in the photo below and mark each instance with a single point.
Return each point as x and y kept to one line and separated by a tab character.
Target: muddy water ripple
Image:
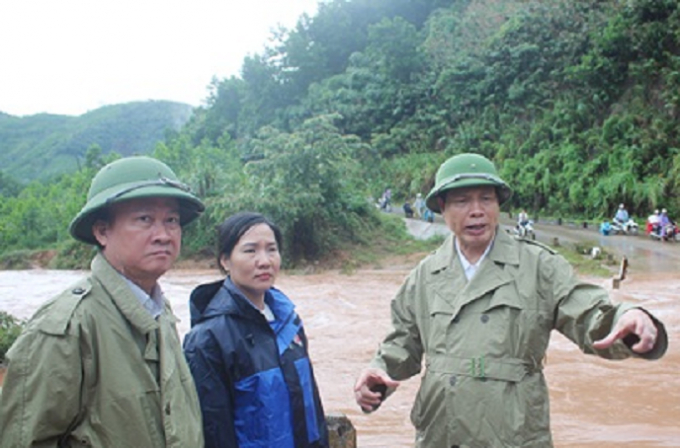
594	403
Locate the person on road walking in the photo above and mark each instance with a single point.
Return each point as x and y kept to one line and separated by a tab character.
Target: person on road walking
419	206
101	365
477	314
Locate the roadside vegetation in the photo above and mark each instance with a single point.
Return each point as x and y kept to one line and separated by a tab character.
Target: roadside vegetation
10	328
388	244
576	102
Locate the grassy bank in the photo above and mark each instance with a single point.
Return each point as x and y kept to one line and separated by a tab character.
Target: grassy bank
578	255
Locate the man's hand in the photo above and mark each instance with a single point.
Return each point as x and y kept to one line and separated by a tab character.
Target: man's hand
633	323
367	389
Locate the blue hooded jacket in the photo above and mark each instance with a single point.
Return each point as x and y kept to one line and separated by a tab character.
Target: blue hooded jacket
254	378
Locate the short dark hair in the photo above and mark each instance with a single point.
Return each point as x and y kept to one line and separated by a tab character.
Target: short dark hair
232	229
104	214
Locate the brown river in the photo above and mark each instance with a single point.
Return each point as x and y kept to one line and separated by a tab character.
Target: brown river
594	403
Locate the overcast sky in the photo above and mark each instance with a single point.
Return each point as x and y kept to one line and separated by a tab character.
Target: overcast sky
70	56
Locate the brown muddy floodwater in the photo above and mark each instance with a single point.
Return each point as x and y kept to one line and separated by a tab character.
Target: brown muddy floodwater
594	403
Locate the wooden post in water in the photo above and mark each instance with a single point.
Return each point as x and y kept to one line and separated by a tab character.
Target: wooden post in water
623	268
341	432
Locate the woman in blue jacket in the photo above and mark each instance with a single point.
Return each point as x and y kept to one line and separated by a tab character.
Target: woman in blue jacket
247	349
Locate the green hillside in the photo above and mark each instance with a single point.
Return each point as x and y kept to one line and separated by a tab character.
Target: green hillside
577	101
578	104
44	145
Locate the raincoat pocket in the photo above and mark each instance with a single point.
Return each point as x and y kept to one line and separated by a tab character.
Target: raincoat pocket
516	325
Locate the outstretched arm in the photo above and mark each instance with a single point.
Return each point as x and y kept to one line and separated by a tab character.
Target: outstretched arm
636	329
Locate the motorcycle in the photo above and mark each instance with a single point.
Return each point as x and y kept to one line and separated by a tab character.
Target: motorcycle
408	210
384	204
526	230
629	227
667	233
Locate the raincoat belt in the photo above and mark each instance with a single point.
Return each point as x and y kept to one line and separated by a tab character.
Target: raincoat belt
504	369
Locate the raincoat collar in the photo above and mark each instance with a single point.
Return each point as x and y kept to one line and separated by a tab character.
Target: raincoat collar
448	270
504	250
122	296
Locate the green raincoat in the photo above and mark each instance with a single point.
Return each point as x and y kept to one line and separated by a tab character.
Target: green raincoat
94	369
483	342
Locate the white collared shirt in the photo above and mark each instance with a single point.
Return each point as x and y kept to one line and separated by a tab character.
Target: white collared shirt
469	268
268	313
152	303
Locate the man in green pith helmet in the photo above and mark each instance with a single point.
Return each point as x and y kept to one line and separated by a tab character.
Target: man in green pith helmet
479	311
101	365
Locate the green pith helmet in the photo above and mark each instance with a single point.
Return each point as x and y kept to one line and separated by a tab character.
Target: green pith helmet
129	178
466	170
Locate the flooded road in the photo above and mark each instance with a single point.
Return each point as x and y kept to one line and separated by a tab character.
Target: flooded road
594	403
645	254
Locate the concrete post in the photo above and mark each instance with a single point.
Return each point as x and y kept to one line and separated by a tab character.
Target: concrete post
623	268
341	432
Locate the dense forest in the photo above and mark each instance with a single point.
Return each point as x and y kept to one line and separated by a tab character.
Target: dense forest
42	146
576	102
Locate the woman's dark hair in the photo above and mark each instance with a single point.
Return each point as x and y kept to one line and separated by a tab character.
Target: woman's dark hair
232	229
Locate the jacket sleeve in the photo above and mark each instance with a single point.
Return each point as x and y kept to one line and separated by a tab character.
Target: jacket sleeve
214	388
41	396
401	352
585	313
322	425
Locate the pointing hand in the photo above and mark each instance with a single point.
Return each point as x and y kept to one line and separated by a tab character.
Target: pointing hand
634	324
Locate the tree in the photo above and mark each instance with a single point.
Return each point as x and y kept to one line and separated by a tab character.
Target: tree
308	183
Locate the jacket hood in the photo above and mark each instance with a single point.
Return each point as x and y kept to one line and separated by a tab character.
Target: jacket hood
201	304
223	297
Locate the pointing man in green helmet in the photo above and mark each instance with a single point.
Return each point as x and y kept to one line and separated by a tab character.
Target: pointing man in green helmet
101	365
479	312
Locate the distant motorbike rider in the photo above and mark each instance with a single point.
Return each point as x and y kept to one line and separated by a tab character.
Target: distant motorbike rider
653	222
522	221
621	216
666	226
523	218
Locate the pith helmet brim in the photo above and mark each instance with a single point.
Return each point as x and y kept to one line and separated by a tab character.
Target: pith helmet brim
190	208
502	191
464	171
133	178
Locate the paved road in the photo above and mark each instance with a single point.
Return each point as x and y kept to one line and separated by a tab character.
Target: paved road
643	253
